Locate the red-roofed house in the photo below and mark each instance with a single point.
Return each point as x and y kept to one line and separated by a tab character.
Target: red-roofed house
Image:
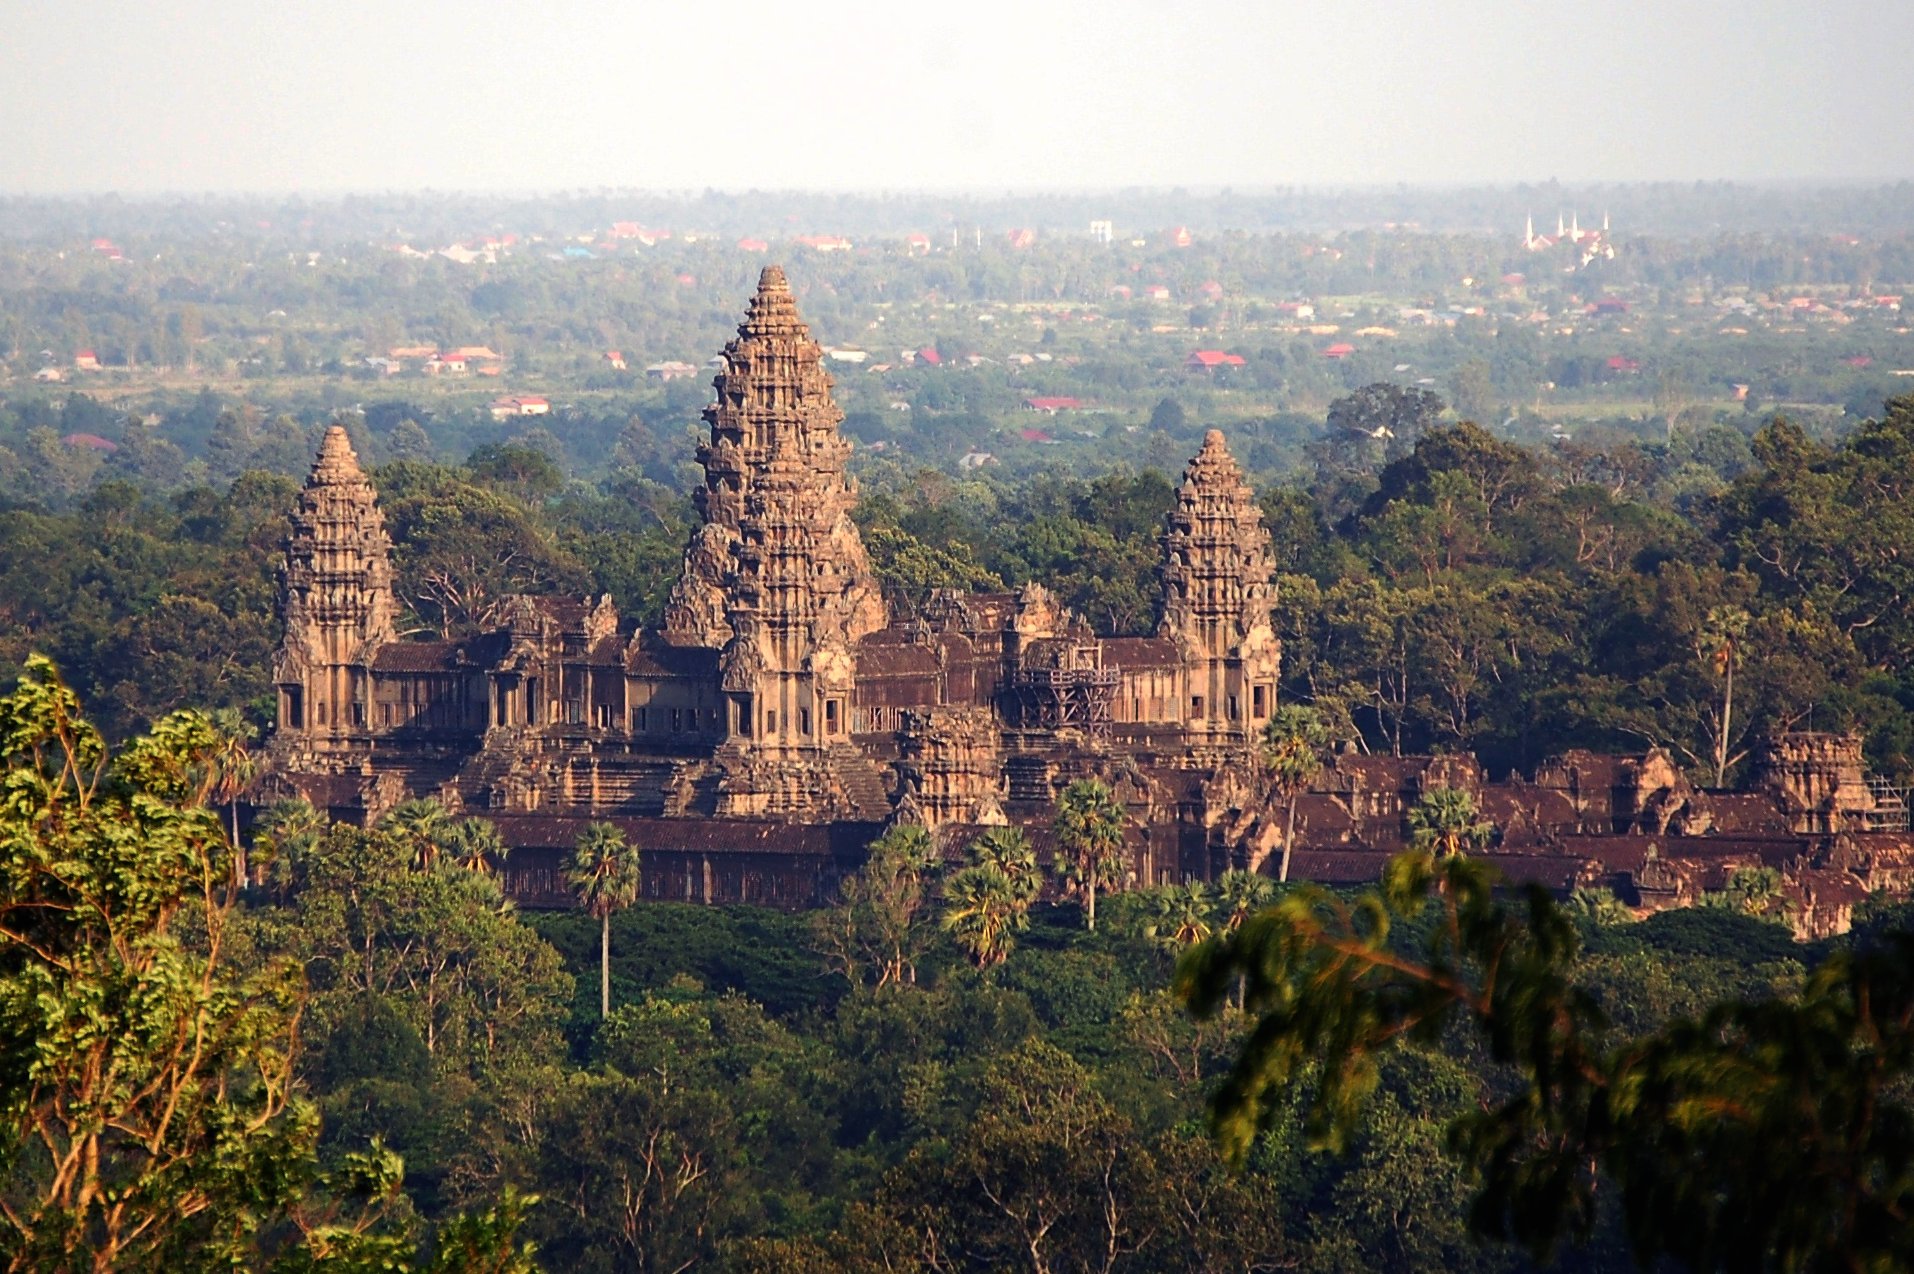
917	244
753	245
1157	292
1211	289
1340	349
87	361
929	357
825	242
1854	360
1034	435
1623	364
1180	236
616	359
452	362
89	442
1205	360
505	408
1021	239
1051	406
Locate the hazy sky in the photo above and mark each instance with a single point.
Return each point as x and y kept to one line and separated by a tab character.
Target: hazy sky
200	95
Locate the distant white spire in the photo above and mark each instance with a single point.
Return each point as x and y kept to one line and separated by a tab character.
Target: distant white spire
1528	232
1560	229
1604	223
1575	225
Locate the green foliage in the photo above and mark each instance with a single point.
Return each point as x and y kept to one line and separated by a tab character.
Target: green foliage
877	932
146	1084
1089	825
1009	851
152	1114
603	874
1181	916
984	908
1761	1133
1444	823
1293	742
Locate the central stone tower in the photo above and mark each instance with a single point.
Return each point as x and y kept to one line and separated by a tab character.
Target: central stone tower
777	578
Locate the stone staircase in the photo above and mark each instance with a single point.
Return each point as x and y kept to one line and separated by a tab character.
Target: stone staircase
1029	777
862	782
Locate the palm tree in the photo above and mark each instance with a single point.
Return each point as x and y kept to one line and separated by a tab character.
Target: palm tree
288	831
1600	906
475	845
234	768
603	871
1241	895
982	911
1008	850
423	824
1182	916
1720	641
1089	827
1292	749
1444	822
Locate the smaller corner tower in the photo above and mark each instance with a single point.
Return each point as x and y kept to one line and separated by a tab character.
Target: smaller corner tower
1217	595
336	601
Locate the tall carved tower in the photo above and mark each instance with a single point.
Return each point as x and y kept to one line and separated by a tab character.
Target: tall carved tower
336	599
1217	596
777	576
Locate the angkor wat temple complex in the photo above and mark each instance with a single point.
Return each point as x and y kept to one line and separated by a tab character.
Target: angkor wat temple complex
784	713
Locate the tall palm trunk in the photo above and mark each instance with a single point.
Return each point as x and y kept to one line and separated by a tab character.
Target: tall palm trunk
1289	841
604	965
1727	718
239	851
1090	892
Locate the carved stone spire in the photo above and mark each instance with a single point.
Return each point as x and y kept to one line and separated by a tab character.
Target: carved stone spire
1217	592
777	577
777	542
335	591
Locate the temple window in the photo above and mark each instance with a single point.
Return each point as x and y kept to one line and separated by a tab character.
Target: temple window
804	720
1258	702
830	716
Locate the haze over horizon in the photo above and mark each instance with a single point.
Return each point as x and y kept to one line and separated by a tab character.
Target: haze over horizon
210	95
